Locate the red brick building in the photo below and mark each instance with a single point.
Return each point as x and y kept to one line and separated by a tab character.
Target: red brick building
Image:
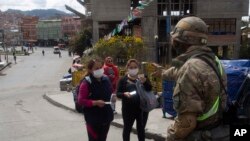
28	28
70	26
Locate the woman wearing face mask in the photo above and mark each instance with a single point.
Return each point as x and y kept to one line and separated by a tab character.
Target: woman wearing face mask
131	101
95	90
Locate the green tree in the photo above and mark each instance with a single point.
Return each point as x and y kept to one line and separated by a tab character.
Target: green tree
121	48
81	42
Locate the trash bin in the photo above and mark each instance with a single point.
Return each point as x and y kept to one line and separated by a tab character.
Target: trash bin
168	88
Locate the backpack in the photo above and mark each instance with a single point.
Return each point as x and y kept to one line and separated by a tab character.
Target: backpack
148	100
78	107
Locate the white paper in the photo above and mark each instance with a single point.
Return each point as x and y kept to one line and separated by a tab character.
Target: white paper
107	102
132	93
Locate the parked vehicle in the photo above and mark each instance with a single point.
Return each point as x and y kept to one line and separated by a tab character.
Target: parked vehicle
56	50
61	46
65	84
2	64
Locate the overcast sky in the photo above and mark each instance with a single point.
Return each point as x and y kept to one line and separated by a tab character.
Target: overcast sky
40	4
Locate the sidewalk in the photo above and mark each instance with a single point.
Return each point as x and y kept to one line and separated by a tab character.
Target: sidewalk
156	126
4	64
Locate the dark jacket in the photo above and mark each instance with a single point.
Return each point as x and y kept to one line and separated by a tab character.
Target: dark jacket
128	85
99	90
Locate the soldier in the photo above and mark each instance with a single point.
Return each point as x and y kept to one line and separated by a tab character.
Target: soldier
199	97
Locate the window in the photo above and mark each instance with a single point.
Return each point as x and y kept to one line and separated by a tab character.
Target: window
177	7
216	27
221	26
162	30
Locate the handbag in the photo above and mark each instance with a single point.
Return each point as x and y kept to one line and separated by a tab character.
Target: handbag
148	100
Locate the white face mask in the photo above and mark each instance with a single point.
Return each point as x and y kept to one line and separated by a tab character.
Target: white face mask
133	72
98	73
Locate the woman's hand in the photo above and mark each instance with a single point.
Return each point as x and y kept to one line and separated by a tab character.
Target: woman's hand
126	94
142	78
157	73
99	103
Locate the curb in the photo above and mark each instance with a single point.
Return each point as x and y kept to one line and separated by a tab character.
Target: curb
5	66
45	96
148	135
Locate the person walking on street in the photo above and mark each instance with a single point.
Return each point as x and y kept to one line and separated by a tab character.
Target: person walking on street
43	52
60	54
199	95
70	53
113	73
131	111
94	95
14	58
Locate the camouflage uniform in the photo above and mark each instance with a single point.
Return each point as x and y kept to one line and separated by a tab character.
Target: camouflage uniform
197	87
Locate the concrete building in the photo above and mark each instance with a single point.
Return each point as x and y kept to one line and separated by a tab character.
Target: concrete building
10	26
70	27
222	16
28	28
224	23
49	32
106	14
160	17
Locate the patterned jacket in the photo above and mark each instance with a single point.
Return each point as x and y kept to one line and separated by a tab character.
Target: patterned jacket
196	91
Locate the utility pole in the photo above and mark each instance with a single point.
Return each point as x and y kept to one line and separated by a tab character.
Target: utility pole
169	50
1	41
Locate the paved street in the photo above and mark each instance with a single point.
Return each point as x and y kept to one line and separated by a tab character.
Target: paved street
25	115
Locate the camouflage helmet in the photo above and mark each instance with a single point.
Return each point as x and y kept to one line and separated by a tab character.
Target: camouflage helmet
190	30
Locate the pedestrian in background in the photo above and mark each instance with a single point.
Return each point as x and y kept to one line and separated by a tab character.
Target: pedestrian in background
14	58
131	111
69	53
112	72
43	52
94	95
60	54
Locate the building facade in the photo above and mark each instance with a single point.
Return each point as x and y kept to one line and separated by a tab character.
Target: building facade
10	27
224	24
49	32
157	20
223	18
70	27
28	28
106	14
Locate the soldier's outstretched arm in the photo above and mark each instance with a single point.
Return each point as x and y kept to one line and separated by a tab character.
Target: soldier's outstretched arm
170	74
